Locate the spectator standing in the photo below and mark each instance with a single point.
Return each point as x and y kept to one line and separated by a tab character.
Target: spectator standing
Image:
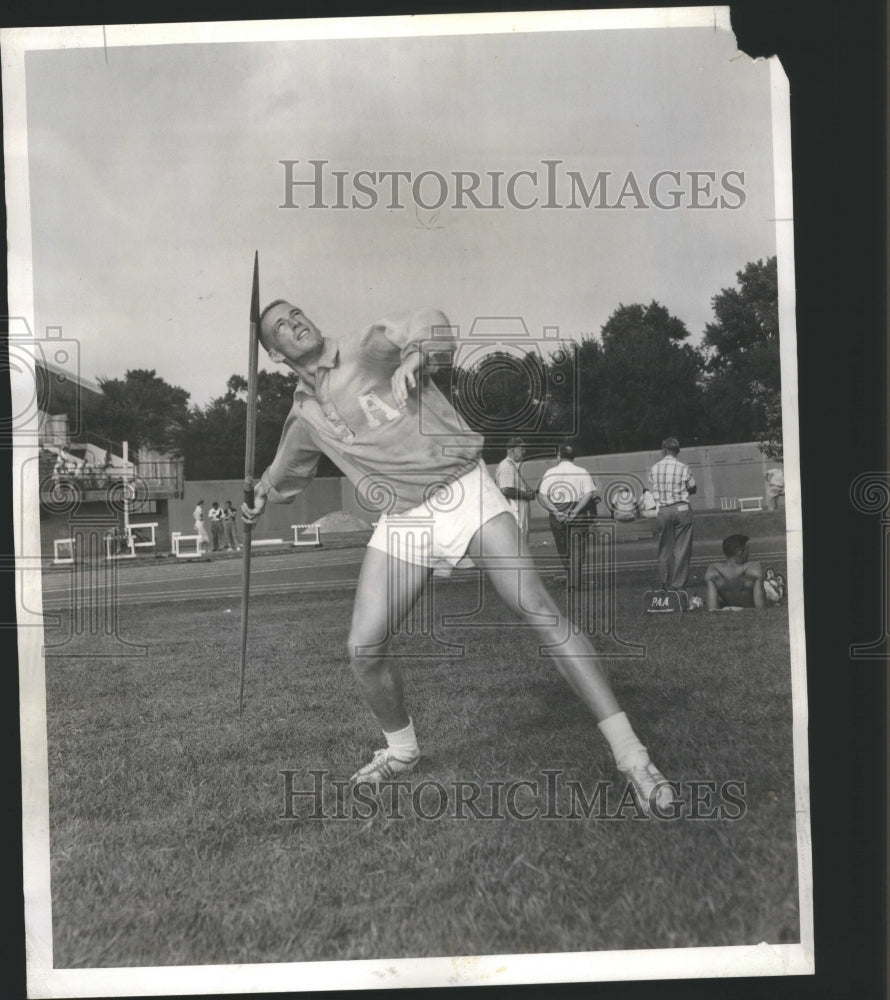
517	491
672	484
200	530
89	478
215	516
775	487
60	469
230	527
570	495
105	468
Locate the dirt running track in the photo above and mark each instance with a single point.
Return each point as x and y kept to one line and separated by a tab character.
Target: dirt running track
321	569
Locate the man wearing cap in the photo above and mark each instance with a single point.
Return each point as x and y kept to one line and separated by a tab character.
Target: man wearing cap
366	401
672	484
735	582
514	487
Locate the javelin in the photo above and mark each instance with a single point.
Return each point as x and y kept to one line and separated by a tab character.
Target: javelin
249	452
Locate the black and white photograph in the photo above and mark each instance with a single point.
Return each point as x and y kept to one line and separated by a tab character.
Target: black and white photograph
407	503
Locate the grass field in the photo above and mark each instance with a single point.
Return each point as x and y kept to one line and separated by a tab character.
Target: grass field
168	845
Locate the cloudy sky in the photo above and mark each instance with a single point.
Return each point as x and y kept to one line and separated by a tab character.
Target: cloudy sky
155	174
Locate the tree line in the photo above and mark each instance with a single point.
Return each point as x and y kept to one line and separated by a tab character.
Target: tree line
635	383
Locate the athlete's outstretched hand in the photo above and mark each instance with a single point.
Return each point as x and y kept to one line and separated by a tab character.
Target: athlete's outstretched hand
250	514
405	378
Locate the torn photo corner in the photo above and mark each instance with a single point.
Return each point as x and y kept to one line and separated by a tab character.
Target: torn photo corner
479	237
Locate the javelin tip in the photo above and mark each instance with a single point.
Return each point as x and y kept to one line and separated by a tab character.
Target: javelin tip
255	290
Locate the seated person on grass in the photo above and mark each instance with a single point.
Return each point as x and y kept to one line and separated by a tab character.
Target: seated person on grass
735	582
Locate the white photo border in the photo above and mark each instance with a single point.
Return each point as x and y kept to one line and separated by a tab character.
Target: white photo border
46	981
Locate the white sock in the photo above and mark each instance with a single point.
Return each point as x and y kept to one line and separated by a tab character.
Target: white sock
403	741
622	739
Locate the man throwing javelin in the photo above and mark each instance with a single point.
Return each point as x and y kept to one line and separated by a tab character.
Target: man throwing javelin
366	402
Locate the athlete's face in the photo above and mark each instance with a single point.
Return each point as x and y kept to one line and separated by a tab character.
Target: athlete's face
289	335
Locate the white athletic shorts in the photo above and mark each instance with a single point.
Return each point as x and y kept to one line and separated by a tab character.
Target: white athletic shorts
438	532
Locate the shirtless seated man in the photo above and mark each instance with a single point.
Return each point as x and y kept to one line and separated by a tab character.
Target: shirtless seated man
735	583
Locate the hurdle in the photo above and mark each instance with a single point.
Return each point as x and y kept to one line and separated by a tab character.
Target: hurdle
729	503
754	504
110	541
151	525
58	545
305	534
177	538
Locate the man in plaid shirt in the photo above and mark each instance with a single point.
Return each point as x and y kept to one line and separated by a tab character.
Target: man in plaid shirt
672	484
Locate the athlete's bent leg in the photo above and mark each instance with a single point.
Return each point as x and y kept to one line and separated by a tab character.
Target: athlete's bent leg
387	590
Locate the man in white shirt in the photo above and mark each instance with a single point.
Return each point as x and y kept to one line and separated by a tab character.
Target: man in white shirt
510	482
775	487
569	494
200	530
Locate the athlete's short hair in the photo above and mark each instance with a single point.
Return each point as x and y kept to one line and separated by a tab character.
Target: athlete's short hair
733	545
566	452
672	445
271	305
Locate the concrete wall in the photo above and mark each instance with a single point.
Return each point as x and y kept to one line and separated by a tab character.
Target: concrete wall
727	470
731	470
323	496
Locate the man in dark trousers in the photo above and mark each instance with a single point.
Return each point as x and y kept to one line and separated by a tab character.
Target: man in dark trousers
215	516
672	484
569	495
510	482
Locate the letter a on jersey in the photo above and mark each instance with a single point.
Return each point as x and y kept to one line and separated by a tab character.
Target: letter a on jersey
376	411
